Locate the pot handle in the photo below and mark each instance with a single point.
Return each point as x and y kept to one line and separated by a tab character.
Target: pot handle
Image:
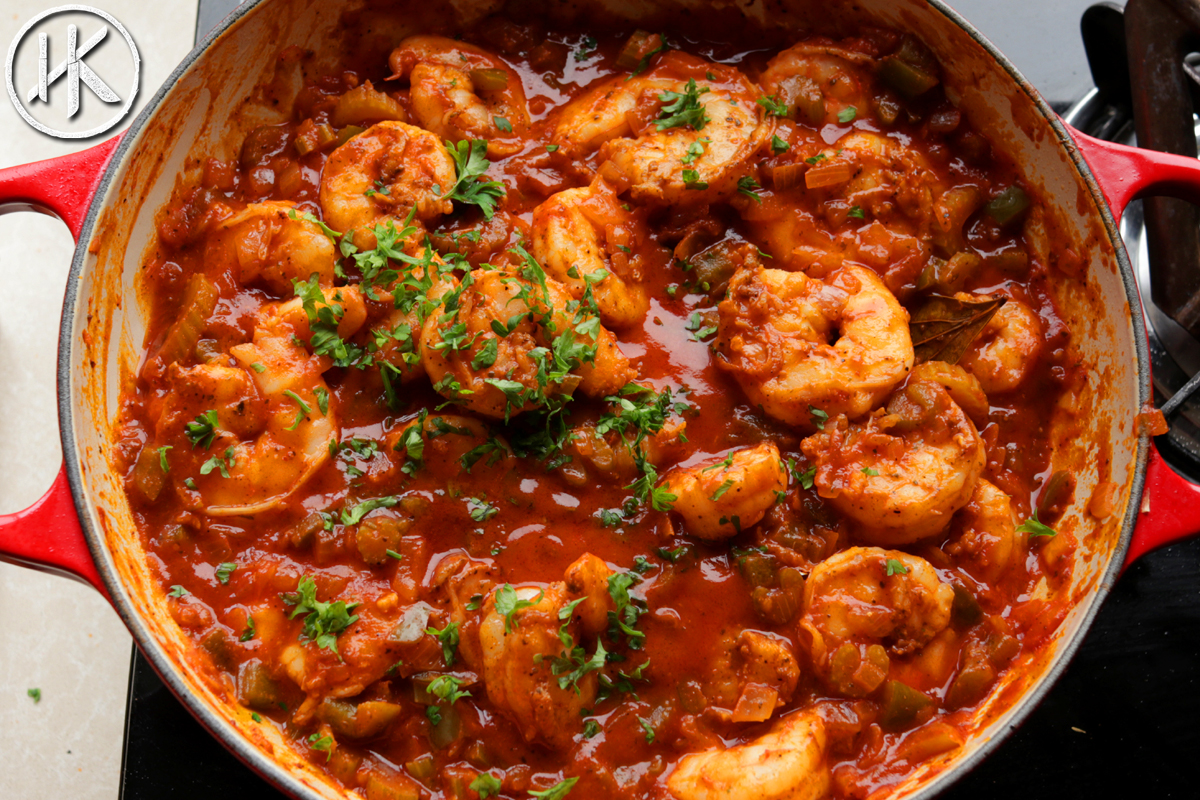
47	535
1170	503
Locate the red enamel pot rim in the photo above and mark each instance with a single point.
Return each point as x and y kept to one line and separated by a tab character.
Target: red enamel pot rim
49	535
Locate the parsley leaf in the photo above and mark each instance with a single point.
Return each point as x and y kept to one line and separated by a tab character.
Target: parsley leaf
1034	527
779	145
219	463
683	108
671	555
448	637
590	728
819	417
896	567
870	472
202	430
250	632
304	409
773	105
470	164
488	785
36	694
503	124
322	621
322	743
508	604
481	510
749	187
224	570
177	591
645	723
162	458
803	477
353	516
847	114
691	180
586	48
721	490
556	792
856	213
695	150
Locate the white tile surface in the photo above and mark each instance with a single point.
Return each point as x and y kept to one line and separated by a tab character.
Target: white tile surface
55	634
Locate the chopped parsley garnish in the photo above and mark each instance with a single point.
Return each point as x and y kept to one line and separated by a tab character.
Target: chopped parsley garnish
870	472
481	510
695	150
322	743
201	431
35	693
322	621
353	516
691	180
896	567
721	490
773	105
641	565
221	463
847	114
446	689
623	620
590	728
814	160
488	785
162	458
856	213
503	124
671	555
550	148
177	591
304	409
323	318
694	323
486	355
508	604
224	570
779	145
556	792
322	395
610	517
1035	527
803	477
818	417
448	638
254	715
645	723
258	367
250	632
470	164
586	48
749	187
683	108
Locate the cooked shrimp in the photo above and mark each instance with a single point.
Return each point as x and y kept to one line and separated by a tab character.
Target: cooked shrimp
767	673
613	460
984	538
272	245
500	376
587	577
867	596
583	236
1007	349
301	413
460	91
720	500
415	294
774	334
787	763
900	476
443	442
517	655
822	79
617	119
384	173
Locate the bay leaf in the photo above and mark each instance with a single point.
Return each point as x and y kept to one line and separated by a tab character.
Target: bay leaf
943	327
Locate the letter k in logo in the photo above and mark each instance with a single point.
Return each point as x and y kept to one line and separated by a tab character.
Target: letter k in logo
75	70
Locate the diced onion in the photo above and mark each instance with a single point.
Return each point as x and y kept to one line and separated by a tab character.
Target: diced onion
787	176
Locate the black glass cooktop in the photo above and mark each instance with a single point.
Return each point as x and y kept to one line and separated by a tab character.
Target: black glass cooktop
1122	721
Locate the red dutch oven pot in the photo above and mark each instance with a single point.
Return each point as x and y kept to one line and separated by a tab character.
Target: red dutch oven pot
107	195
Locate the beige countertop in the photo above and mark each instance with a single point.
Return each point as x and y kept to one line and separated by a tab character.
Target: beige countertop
57	635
